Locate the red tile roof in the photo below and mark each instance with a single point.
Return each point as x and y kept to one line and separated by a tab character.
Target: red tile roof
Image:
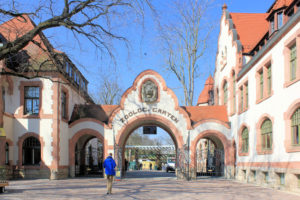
19	26
279	4
99	112
250	27
198	113
204	96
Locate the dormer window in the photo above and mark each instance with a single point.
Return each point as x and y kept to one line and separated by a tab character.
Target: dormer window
279	20
272	25
2	41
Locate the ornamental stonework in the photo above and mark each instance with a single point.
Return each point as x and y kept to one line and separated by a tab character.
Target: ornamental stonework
149	92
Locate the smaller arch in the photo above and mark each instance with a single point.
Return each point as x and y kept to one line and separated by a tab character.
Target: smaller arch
260	122
227	145
75	138
20	146
242	128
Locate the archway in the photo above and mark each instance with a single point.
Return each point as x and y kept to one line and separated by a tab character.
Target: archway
86	153
141	121
211	154
209	157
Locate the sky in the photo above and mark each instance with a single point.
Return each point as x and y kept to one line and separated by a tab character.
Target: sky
144	50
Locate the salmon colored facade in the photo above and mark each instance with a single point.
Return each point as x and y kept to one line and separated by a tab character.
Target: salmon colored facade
262	63
249	109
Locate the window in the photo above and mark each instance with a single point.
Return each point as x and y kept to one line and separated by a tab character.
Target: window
245	140
242	98
269	79
279	20
245	174
272	25
266	134
281	178
31	100
225	89
234	88
293	62
261	84
246	96
254	175
296	127
64	105
31	151
264	81
6	153
266	177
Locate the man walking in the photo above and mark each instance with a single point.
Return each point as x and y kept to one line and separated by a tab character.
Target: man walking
109	165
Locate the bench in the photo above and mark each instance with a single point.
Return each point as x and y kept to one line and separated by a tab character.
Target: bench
2	186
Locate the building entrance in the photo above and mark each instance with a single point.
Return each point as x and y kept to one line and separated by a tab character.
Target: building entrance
147	155
89	158
210	159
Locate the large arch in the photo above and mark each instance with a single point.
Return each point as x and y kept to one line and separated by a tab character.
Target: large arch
149	119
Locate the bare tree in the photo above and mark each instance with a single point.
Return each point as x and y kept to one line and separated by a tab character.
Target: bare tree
185	42
109	91
89	18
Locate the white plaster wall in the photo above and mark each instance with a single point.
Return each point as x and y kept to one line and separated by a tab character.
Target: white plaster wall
12	102
86	125
225	39
65	132
210	126
275	106
47	95
43	127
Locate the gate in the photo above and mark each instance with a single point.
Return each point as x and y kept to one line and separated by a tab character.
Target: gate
210	162
89	161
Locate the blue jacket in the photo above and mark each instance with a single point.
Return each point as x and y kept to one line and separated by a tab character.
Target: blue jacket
109	165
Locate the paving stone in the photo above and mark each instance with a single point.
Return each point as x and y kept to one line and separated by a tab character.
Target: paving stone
141	188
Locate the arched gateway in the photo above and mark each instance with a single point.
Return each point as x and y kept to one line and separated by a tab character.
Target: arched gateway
150	102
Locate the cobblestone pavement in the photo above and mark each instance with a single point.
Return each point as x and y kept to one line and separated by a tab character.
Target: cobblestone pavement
148	189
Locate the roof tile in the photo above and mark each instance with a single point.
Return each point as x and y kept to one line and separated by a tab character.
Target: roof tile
250	27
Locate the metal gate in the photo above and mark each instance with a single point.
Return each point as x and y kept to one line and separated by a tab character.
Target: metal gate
89	161
210	162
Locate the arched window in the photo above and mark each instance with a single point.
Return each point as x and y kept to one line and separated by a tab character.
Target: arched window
6	153
234	92
266	134
296	127
225	90
31	151
245	140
